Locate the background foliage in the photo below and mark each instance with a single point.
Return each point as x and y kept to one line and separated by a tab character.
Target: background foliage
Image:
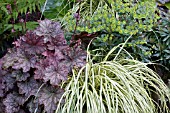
17	16
56	9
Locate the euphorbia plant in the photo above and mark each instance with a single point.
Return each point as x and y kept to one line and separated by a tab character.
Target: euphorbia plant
31	71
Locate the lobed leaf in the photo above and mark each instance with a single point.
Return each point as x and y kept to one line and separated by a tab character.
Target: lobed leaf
24	61
56	74
8	82
49	96
49	29
28	87
9	59
76	57
12	102
20	76
40	68
32	44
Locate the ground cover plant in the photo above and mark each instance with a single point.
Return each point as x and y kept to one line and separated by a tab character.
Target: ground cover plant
31	71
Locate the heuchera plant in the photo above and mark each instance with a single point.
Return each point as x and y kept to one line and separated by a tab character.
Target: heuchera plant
31	72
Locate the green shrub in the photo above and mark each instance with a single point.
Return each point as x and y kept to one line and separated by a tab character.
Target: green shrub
154	45
123	17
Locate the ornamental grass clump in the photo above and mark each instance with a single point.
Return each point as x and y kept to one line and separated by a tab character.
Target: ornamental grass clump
114	86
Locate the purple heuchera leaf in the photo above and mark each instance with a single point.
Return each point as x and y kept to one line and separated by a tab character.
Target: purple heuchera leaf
42	65
56	42
49	96
28	87
58	52
49	29
40	68
8	82
20	76
76	57
56	74
19	59
32	44
24	61
9	59
12	103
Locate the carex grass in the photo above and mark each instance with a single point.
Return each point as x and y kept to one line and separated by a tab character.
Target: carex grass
120	85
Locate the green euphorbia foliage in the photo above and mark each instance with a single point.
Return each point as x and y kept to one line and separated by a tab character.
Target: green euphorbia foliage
122	16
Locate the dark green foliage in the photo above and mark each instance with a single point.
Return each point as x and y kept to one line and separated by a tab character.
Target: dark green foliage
154	45
12	10
159	42
17	16
57	8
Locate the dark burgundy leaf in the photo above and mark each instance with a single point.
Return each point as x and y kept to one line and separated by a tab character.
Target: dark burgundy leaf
20	76
8	82
29	87
24	61
49	29
32	43
49	96
76	57
85	38
12	103
56	74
